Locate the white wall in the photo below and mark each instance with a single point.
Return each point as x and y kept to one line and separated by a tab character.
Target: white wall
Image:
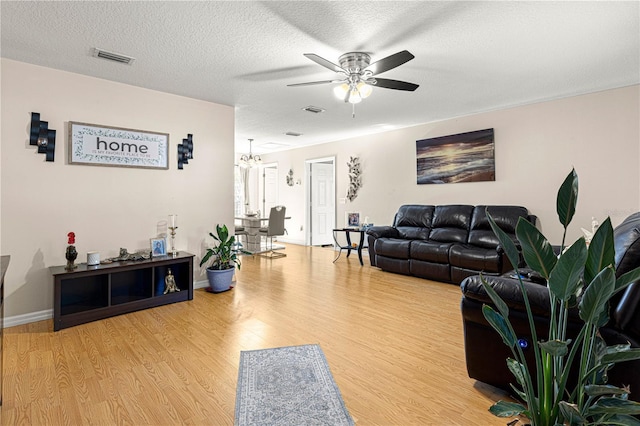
536	146
106	207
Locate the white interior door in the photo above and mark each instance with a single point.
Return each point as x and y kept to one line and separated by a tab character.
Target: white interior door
322	206
269	188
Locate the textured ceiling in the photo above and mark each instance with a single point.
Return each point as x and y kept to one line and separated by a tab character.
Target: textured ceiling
470	56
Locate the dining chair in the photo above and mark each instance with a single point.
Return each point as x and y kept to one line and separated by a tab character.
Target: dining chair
274	228
239	232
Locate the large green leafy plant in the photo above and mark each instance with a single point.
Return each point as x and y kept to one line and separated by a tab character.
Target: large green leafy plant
224	253
582	276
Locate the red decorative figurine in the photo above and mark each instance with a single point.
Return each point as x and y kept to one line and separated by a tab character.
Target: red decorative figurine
71	253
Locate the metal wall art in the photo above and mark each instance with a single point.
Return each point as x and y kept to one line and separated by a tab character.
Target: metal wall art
41	136
96	145
355	180
290	177
185	151
466	157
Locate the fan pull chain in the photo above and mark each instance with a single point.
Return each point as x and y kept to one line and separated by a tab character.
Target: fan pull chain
353	110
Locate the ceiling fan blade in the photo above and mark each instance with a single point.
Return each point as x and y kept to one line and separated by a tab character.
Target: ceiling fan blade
311	83
322	61
390	62
395	84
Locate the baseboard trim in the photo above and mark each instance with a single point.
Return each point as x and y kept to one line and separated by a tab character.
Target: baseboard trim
285	239
28	318
200	284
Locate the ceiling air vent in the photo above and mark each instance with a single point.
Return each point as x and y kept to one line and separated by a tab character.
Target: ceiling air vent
112	56
293	134
313	109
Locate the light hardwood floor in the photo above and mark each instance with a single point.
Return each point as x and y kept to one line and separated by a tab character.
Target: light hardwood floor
393	343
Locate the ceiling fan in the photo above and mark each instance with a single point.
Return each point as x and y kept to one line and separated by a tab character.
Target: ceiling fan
358	74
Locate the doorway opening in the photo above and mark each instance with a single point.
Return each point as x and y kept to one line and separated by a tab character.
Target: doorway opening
321	201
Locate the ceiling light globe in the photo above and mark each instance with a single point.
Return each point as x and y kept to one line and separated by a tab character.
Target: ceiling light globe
341	91
354	97
364	89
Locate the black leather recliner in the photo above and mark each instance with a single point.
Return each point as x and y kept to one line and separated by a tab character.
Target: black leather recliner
444	243
485	351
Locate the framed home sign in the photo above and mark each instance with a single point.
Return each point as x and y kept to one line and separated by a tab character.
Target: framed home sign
95	145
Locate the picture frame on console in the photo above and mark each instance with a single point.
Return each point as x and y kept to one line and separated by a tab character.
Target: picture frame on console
158	247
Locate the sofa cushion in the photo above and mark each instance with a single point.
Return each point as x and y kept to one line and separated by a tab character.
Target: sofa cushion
478	258
451	223
430	270
431	251
506	217
398	266
393	247
413	221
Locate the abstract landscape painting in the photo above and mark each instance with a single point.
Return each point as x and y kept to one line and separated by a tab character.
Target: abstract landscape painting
466	157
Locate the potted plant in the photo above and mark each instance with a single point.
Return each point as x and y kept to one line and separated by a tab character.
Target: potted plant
225	259
582	276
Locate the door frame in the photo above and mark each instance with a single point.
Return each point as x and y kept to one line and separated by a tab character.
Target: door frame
262	185
307	193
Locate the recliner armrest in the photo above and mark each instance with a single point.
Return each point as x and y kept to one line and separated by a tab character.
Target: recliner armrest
383	232
510	291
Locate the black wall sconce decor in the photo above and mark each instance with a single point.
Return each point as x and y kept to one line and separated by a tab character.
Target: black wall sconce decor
185	151
43	137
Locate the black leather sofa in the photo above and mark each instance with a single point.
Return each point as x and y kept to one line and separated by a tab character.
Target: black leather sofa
444	243
486	352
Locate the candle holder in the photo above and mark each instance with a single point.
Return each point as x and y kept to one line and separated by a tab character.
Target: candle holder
173	225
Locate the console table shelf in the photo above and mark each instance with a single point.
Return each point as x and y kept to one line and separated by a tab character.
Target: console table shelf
90	293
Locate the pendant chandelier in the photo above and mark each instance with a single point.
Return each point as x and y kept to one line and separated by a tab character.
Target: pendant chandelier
249	161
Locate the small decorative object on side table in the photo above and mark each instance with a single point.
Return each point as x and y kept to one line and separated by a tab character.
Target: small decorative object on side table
71	254
173	225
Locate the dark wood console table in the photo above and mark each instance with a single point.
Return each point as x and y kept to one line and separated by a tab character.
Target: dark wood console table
90	293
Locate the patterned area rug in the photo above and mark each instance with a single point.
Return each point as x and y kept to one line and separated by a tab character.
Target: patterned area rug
288	386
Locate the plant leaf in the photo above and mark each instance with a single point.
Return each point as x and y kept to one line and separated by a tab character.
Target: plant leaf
571	413
565	277
567	198
536	250
223	232
206	257
495	297
621	356
499	323
614	406
506	409
595	299
627	278
601	251
555	347
506	242
624	420
517	369
598	390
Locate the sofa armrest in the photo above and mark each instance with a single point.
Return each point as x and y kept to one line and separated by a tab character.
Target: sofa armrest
509	290
383	232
